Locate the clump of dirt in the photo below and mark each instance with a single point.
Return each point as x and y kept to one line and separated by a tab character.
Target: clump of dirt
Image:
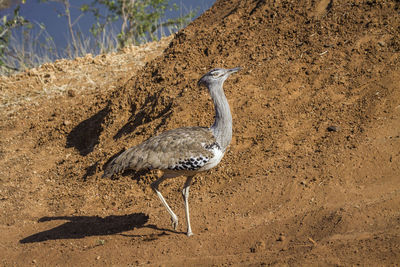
312	171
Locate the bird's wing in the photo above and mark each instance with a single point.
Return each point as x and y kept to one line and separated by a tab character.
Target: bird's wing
188	148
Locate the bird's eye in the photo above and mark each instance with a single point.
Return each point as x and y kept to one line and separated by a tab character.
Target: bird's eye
215	74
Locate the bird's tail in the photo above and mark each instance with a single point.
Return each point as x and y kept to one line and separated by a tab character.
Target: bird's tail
118	164
114	166
109	170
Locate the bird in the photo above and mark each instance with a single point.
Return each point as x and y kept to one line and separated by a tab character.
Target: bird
183	151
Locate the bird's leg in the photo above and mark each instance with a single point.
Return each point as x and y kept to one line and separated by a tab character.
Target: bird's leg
174	218
185	193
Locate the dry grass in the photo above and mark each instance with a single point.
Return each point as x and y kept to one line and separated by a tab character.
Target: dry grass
68	77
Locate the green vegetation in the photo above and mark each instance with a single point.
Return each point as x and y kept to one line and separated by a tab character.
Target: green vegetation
24	44
7	24
141	20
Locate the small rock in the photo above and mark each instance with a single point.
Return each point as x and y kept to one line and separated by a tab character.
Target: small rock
281	237
260	245
333	128
66	122
71	93
98	258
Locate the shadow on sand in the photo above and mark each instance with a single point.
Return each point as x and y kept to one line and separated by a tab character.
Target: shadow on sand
85	136
82	226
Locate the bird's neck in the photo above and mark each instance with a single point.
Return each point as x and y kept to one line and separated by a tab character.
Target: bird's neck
222	127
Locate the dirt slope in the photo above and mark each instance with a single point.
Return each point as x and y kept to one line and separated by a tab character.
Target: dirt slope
289	190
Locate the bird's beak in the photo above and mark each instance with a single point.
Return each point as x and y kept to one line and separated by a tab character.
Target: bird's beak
230	71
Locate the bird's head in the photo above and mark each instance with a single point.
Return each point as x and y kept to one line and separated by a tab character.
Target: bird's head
216	76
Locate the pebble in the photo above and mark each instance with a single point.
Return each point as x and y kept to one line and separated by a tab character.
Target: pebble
333	128
71	93
260	245
281	237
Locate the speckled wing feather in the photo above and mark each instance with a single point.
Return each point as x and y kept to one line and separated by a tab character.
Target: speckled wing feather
188	148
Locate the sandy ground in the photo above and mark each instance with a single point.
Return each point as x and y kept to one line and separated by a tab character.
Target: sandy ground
312	175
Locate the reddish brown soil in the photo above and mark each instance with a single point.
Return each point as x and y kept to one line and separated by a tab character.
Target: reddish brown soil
289	191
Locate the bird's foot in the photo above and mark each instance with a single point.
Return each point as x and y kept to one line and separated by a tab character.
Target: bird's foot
174	223
189	233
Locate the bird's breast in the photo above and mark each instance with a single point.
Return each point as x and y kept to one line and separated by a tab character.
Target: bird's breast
218	154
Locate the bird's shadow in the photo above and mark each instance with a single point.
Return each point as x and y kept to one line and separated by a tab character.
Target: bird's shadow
78	227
